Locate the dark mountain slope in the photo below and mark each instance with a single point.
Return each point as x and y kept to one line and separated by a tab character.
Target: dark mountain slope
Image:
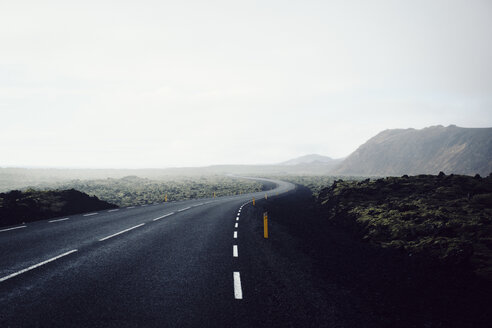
427	151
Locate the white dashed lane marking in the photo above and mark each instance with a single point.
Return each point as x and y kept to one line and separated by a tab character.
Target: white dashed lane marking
162	217
234	251
37	265
119	233
235	234
235	226
238	291
58	220
91	214
13	228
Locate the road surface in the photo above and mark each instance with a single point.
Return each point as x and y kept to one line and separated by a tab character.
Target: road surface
197	263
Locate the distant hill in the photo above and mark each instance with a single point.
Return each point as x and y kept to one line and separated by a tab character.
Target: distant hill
311	159
430	150
18	207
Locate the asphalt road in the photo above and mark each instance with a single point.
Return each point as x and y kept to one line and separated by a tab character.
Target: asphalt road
198	263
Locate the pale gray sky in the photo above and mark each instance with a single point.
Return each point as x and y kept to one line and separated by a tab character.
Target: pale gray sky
185	83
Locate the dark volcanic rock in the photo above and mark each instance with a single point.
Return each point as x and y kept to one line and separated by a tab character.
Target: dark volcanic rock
18	207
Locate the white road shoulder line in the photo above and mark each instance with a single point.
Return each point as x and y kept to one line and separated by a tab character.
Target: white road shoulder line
238	291
90	214
184	209
162	217
234	251
114	210
37	265
58	220
119	233
131	207
235	234
13	228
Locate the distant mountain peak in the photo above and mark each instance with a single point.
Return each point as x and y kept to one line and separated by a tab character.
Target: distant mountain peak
450	149
309	159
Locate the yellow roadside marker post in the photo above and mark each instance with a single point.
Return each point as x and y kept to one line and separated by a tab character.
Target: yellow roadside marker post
253	201
165	198
266	197
214	194
265	224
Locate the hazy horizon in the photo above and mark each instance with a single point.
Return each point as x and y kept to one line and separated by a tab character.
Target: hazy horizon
158	84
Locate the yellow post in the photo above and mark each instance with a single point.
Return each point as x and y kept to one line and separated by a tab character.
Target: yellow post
265	224
266	197
214	194
165	198
253	201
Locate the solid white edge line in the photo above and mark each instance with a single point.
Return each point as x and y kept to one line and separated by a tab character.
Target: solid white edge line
235	234
235	226
119	233
184	209
131	207
238	291
90	214
13	228
234	251
114	210
162	217
37	265
57	220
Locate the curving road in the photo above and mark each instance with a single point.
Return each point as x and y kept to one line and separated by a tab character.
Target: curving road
179	264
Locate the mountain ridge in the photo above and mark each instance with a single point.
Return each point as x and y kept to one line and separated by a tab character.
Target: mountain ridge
450	149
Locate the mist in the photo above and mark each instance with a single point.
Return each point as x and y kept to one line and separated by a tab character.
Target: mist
112	84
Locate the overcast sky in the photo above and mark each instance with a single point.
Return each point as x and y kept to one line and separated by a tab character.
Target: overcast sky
185	83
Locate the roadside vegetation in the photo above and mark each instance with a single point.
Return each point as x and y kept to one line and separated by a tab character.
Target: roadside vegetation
133	190
446	219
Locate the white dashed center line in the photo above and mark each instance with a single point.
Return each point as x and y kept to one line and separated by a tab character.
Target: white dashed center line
37	265
234	251
119	233
237	218
238	291
13	228
58	220
235	226
235	234
91	214
162	217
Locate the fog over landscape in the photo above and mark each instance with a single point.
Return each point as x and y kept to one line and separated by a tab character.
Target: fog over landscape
121	84
315	163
